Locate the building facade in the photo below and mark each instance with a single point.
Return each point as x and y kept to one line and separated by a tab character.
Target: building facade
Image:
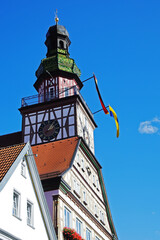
60	128
23	207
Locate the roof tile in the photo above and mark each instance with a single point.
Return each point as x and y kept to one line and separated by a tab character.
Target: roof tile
7	157
54	157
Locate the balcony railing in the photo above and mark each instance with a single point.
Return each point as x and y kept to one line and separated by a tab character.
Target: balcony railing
40	98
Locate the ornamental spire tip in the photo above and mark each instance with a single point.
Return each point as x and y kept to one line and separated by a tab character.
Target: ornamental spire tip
56	18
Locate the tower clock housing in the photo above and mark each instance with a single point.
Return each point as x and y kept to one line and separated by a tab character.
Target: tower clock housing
58	111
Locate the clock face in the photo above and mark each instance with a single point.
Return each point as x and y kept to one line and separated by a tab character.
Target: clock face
48	129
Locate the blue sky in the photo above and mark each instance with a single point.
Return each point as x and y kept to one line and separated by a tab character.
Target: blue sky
120	42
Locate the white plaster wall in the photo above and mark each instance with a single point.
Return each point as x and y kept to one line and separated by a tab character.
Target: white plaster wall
77	212
81	122
11	224
94	197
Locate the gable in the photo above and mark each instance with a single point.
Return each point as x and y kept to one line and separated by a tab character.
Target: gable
86	182
24	188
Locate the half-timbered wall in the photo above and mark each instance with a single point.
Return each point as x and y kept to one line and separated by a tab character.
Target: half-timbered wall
57	87
65	115
67	87
48	89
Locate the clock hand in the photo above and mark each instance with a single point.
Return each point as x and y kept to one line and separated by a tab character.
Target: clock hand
51	126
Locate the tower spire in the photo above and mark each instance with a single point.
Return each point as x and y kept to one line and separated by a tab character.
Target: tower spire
56	18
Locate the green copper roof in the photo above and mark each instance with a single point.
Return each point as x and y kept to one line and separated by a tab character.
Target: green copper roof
60	61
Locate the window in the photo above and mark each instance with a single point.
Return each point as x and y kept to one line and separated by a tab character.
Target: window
67	217
66	91
61	44
82	161
29	213
94	182
97	184
16	204
75	90
76	187
96	210
51	93
78	226
97	238
23	168
88	234
102	217
78	160
84	198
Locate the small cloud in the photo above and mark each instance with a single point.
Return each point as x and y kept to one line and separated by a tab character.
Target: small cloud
147	127
153	213
156	119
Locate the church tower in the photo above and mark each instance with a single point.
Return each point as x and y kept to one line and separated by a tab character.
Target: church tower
59	110
60	127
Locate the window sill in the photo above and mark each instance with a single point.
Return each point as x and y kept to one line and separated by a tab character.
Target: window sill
17	217
30	226
76	194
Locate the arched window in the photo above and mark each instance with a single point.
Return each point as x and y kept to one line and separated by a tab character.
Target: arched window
61	44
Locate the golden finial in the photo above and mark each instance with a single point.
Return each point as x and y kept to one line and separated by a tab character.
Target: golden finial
56	18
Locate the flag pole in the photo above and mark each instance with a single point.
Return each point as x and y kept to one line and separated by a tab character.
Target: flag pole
99	110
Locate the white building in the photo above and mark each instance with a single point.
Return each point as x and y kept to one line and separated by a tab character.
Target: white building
24	212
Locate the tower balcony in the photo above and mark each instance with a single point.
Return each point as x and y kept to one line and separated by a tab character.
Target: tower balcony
50	96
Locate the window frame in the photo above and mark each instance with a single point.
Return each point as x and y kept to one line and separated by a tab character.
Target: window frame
77	187
23	168
82	164
16	210
66	223
31	223
79	222
66	89
97	238
89	234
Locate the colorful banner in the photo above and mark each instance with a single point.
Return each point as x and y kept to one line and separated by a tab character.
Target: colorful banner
114	115
99	95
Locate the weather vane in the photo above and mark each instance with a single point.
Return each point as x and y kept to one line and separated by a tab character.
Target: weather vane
56	18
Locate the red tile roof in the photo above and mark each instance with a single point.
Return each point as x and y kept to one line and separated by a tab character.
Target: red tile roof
55	157
7	157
